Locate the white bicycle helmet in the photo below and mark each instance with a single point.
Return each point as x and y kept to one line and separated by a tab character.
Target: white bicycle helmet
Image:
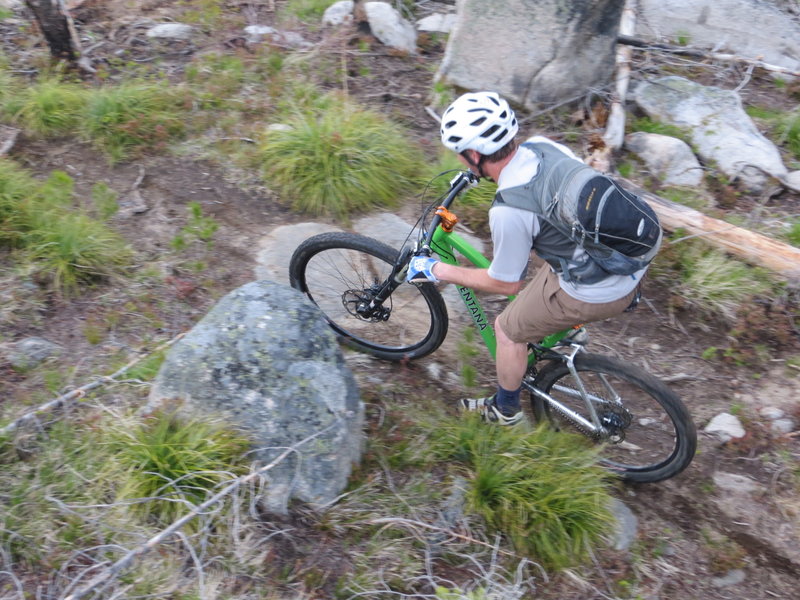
480	121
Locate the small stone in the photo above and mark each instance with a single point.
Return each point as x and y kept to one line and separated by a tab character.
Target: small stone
732	482
171	31
626	526
29	352
338	13
782	426
255	33
726	427
733	577
771	413
440	23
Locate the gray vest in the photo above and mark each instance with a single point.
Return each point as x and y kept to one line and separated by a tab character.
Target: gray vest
559	179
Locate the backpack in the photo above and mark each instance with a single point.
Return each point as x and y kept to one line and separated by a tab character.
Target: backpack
619	231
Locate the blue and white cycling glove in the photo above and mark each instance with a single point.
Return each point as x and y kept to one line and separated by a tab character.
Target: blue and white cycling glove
420	270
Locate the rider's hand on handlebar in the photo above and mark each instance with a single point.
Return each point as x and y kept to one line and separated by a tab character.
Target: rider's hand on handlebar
420	270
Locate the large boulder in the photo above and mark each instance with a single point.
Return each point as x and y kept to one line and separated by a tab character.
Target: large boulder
668	158
720	129
265	359
751	28
532	51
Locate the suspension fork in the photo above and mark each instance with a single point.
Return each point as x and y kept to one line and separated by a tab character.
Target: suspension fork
392	282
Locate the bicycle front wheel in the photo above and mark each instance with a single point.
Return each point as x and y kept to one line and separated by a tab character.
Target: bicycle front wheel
340	271
649	434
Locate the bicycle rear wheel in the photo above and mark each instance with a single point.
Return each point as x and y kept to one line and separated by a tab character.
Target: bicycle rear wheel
651	434
338	271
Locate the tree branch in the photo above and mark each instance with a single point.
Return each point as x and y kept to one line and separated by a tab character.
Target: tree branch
697	53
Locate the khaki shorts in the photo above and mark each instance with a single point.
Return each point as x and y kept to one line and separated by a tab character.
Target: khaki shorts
542	308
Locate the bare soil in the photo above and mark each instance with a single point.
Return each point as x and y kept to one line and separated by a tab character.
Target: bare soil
693	531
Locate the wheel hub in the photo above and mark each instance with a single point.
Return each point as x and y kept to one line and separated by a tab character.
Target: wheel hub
358	303
615	419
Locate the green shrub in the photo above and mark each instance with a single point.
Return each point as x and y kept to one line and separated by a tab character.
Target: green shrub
793	234
173	461
543	489
72	249
784	126
307	9
715	284
17	187
648	125
48	107
339	161
132	116
8	86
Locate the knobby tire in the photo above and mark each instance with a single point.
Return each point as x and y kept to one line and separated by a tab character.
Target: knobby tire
334	269
660	440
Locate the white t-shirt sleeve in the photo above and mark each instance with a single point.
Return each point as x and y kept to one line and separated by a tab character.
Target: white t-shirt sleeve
513	230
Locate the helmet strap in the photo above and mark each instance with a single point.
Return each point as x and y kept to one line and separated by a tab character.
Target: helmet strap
478	166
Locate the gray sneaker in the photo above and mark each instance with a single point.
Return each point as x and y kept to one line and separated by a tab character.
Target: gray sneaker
490	413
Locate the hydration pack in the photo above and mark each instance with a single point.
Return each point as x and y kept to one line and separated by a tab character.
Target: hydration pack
618	230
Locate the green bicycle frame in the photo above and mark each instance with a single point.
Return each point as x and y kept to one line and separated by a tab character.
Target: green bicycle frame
444	243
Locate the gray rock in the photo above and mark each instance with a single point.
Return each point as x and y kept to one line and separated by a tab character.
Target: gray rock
11	4
338	13
532	52
783	426
8	137
733	577
725	427
265	359
438	23
793	180
668	158
627	525
390	28
734	483
172	31
751	28
771	412
721	130
256	33
30	352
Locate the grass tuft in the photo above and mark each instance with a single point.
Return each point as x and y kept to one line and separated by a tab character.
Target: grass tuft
49	107
72	249
340	161
715	284
133	116
16	188
175	461
542	489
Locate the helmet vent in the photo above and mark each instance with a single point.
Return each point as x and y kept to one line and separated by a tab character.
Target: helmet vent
491	131
500	136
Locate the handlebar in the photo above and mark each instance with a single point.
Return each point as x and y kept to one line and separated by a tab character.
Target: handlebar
458	184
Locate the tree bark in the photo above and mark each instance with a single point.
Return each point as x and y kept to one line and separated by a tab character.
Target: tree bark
754	248
54	23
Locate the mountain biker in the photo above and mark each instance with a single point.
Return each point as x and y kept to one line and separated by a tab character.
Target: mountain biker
481	128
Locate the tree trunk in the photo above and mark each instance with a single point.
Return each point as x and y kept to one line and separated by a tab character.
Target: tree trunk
54	23
754	248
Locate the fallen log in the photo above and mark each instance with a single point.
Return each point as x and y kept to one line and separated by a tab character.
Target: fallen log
754	248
